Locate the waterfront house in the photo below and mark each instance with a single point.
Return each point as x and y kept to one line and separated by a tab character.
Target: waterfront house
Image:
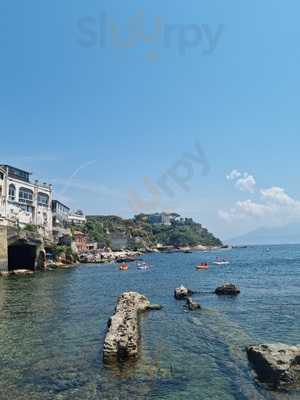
77	218
92	246
23	202
60	213
60	220
81	241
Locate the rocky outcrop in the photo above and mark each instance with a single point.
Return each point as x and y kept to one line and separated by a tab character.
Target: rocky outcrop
182	293
122	338
191	305
277	365
228	289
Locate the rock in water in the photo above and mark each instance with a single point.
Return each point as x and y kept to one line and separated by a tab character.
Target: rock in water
182	293
192	305
277	365
122	338
228	289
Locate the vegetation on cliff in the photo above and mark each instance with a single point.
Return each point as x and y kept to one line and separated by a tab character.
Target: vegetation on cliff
138	234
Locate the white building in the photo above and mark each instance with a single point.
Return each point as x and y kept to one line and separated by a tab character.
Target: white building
60	220
23	202
77	218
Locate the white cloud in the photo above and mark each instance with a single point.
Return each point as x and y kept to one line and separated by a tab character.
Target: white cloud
275	206
246	209
234	174
246	184
278	195
243	181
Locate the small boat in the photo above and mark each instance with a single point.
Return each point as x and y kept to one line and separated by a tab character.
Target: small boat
123	267
221	262
202	266
143	266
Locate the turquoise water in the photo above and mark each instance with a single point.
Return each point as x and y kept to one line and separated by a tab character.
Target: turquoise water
52	327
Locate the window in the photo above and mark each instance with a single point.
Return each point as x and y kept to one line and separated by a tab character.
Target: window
12	192
26	208
43	199
25	195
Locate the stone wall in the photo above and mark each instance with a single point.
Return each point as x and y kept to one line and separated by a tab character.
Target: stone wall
3	248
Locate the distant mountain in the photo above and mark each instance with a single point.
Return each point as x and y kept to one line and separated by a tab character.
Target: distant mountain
288	234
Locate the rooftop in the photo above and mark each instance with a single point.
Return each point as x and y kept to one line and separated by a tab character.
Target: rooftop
55	202
16	172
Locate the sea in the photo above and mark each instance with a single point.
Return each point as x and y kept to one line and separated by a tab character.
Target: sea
53	324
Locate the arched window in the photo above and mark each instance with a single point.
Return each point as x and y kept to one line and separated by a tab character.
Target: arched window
12	192
43	199
25	195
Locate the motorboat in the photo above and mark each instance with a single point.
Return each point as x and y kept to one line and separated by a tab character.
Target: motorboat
123	267
219	261
143	266
202	266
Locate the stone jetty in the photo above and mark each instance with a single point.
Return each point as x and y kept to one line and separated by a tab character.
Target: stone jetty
123	335
277	364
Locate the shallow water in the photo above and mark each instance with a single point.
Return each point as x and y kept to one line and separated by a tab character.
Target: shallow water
52	327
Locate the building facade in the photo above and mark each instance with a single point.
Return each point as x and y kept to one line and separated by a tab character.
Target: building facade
60	213
60	220
23	202
77	218
81	242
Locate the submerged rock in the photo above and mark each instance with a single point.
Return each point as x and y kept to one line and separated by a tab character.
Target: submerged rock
192	305
122	339
277	365
182	293
228	289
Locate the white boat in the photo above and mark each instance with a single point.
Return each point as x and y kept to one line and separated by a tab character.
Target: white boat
143	266
222	262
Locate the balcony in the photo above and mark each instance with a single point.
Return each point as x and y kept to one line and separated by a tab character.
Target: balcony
26	201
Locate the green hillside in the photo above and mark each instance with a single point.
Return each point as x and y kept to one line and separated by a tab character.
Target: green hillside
139	234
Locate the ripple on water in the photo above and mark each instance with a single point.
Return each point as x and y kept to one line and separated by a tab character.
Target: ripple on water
52	329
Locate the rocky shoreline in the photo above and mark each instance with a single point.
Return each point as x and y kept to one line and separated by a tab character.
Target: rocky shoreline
126	255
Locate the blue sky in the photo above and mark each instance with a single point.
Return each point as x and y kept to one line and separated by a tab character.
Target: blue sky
96	119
